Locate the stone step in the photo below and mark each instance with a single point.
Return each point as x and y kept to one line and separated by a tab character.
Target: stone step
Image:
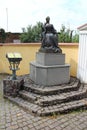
64	108
62	98
32	108
31	97
50	90
50	110
48	100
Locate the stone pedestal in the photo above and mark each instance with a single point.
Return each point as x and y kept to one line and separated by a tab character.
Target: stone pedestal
47	59
49	69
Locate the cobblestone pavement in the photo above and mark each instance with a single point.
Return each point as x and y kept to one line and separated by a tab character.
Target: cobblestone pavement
13	117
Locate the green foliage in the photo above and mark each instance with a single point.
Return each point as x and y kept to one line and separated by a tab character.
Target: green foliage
32	33
2	35
75	38
66	35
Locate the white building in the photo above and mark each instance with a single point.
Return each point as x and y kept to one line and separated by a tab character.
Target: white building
82	56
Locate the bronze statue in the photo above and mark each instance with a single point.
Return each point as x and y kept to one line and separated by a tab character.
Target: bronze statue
49	38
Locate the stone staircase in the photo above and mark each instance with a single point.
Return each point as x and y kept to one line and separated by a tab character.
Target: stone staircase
49	100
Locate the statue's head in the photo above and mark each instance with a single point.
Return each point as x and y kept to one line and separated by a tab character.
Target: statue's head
47	18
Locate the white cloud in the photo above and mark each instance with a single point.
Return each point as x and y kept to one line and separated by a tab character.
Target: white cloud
22	13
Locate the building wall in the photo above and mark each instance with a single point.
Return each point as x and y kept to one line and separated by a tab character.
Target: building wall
82	59
71	52
10	37
28	52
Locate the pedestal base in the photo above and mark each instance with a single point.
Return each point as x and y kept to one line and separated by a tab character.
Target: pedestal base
49	75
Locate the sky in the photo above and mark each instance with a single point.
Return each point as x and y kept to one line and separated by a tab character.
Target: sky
18	14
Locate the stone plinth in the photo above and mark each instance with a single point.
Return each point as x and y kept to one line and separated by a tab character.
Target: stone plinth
49	69
49	75
47	59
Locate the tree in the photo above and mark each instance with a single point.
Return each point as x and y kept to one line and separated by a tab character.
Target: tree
2	35
75	38
32	33
66	35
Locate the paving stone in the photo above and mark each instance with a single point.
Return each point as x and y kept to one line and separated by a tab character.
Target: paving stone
19	129
25	128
